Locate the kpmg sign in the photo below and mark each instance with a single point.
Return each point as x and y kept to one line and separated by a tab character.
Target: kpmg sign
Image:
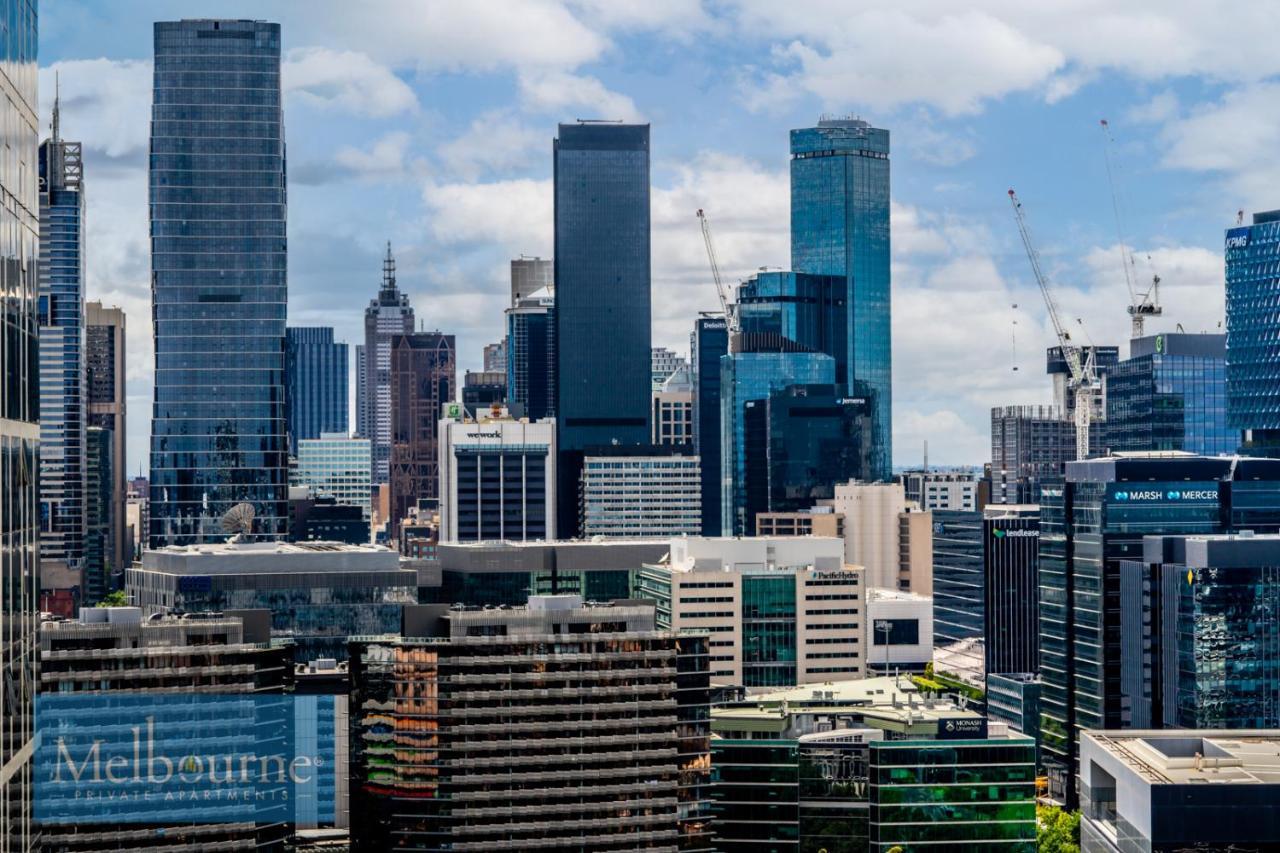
1238	238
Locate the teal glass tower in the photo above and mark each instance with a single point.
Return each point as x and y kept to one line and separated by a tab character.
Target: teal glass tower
217	187
840	227
1253	346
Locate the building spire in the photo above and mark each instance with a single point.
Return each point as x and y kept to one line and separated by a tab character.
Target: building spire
57	96
389	270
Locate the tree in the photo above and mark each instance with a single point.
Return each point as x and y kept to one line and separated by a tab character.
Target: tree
1057	831
116	598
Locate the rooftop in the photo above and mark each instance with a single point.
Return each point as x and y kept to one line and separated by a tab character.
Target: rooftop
1183	757
270	557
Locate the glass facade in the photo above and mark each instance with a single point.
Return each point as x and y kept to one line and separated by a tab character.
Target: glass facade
19	422
768	630
62	358
531	355
958	606
1010	576
1253	351
218	261
840	227
953	795
816	437
315	370
788	310
99	475
509	486
1170	395
602	296
755	795
104	337
423	378
337	466
708	344
631	496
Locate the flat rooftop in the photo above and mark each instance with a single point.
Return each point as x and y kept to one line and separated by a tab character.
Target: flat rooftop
1184	757
270	558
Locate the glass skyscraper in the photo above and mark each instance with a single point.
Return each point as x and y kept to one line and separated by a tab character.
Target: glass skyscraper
1170	394
218	259
840	227
708	344
603	385
531	354
315	370
62	364
19	424
388	316
1253	349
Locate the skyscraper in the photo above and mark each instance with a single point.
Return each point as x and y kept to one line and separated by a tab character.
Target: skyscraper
315	383
708	344
602	295
1253	351
531	354
218	261
840	227
423	377
62	389
389	315
529	275
104	351
19	426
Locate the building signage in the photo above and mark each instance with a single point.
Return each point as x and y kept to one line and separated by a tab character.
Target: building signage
962	728
494	434
1238	238
1016	534
714	324
1125	494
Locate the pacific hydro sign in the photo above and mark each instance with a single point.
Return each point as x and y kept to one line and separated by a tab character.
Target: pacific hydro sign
127	758
1163	492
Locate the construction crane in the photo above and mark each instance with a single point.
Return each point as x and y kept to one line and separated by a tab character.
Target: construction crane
730	314
1141	305
1082	374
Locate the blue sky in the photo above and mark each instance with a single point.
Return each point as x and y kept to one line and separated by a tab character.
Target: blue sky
429	124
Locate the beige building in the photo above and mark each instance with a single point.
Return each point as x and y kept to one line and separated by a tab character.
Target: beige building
105	396
891	537
817	521
779	611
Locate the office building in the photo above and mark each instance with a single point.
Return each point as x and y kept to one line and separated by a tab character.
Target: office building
1090	521
779	611
387	317
497	479
958	592
315	370
1253	379
98	577
531	355
801	441
1167	791
62	366
104	352
1013	698
708	343
114	650
323	519
1011	580
1105	359
781	311
814	521
639	494
662	363
603	387
673	410
840	227
899	631
867	765
555	725
318	593
423	379
958	491
217	155
529	275
1028	445
890	537
1200	619
19	425
1170	394
495	357
480	391
337	466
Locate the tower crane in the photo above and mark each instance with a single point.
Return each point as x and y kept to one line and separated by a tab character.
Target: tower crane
1083	375
1141	305
730	312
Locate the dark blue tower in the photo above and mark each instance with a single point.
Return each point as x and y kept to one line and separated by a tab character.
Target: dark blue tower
315	383
708	344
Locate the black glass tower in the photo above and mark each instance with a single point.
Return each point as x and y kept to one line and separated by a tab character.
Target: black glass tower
217	187
603	385
708	344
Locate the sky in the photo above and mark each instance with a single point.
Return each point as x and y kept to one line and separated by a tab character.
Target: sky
429	124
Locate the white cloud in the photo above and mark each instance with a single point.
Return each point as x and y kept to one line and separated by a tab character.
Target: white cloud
346	80
511	217
496	141
384	159
557	91
106	103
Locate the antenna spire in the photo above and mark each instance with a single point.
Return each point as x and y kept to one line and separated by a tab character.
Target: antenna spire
389	270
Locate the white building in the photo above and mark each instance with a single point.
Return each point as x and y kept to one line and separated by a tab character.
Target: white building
673	409
888	535
338	466
780	611
497	479
900	626
947	490
630	496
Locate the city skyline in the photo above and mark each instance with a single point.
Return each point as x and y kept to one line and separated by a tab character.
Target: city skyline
450	159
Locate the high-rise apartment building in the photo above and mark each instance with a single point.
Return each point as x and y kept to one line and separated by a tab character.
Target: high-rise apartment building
388	316
98	576
497	479
1253	291
1170	394
708	343
529	275
602	296
639	494
218	279
1028	445
555	725
959	491
337	466
673	410
62	385
104	352
423	377
531	354
662	363
315	384
19	425
840	227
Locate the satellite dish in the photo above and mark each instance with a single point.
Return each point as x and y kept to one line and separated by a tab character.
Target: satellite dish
238	521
